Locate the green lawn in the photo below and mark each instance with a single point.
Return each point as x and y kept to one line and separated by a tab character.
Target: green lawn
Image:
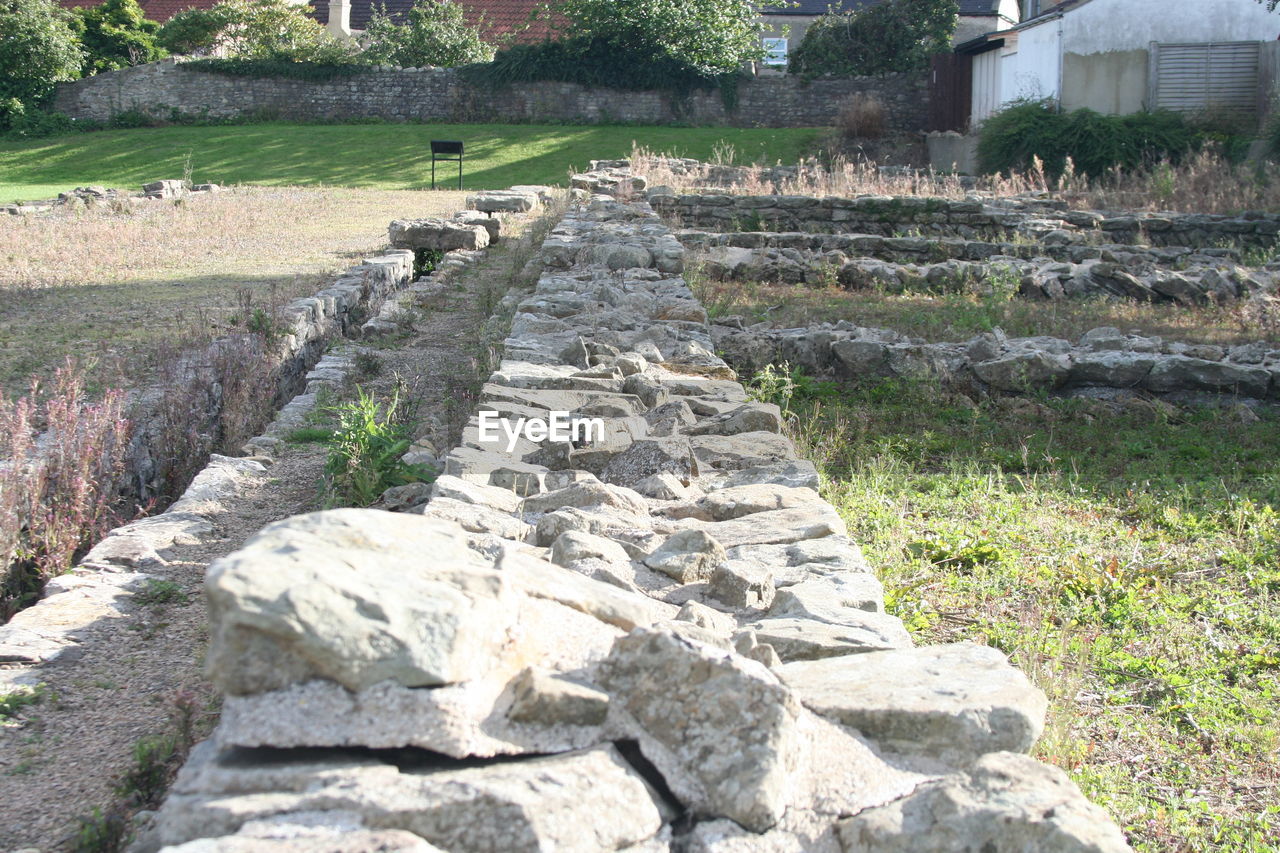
382	156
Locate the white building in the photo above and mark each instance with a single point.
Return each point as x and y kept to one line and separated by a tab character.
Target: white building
1123	56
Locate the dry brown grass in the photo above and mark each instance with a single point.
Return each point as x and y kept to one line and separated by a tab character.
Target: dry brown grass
114	285
1204	184
861	116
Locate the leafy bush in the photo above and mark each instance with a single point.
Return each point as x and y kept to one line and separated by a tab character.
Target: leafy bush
38	48
115	34
435	33
254	29
1015	137
365	449
895	35
712	37
18	121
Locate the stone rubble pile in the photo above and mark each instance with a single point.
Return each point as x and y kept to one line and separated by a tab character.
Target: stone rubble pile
656	636
1054	269
1102	360
973	218
96	195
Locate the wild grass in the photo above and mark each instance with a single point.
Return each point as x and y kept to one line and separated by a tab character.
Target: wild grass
124	285
1126	557
942	317
373	156
1205	183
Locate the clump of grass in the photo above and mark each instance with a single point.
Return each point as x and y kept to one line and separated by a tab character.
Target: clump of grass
365	451
156	592
861	116
14	701
1125	555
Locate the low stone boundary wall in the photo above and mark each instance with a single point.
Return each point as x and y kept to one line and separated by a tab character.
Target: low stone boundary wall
973	218
1037	270
440	95
1104	359
656	638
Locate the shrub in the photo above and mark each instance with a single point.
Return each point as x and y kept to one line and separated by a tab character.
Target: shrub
1012	139
37	49
709	36
253	29
894	35
861	116
116	34
434	33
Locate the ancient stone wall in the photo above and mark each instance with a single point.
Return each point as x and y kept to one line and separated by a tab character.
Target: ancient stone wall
972	218
438	95
658	638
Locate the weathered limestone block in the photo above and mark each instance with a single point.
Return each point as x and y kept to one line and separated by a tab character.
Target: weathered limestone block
312	596
1004	802
861	632
504	201
721	729
647	457
956	702
321	832
438	235
687	556
557	802
1024	370
742	585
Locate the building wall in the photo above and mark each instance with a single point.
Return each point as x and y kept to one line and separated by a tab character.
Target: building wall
439	95
1105	57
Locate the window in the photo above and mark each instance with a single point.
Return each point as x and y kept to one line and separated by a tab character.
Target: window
775	51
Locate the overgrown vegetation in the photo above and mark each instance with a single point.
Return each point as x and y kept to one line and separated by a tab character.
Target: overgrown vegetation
434	33
876	38
365	449
61	459
1035	135
1126	556
115	34
670	45
253	29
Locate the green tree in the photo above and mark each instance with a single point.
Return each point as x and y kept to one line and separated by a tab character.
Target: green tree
37	49
895	35
116	34
709	36
435	33
253	29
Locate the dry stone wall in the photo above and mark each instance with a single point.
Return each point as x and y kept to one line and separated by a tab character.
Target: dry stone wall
1044	266
439	95
1102	361
972	218
659	637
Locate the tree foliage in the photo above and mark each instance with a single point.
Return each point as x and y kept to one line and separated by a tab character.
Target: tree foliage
38	48
711	37
895	35
435	32
252	29
116	34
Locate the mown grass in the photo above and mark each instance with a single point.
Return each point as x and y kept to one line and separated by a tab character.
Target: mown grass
380	156
116	286
940	317
1126	557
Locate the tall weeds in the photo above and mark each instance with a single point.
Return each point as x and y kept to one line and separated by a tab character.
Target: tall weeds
1204	183
62	460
